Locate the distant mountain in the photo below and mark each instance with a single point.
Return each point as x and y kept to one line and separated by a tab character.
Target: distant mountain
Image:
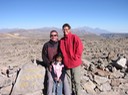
81	31
7	30
115	35
87	30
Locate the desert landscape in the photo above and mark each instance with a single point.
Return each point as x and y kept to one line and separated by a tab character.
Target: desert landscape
104	68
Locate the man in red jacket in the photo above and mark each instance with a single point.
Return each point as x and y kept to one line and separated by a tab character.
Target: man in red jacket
72	48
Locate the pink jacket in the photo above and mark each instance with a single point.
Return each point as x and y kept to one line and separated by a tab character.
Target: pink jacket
57	69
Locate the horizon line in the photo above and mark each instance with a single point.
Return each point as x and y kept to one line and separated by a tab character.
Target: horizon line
58	28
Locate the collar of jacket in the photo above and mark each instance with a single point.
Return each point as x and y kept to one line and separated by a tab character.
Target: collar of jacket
68	35
53	42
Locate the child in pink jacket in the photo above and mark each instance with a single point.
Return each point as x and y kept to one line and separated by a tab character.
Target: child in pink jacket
58	74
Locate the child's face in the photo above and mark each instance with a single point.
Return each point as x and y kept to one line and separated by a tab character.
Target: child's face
59	59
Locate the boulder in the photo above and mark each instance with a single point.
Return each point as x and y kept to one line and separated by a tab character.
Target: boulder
29	80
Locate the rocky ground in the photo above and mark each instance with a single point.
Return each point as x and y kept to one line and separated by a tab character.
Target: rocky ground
104	69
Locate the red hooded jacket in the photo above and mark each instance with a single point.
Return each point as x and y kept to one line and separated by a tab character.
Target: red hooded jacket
71	48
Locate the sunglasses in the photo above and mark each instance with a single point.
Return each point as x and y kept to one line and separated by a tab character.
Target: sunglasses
53	35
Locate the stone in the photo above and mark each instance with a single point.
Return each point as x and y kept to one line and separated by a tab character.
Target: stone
126	76
101	73
122	62
114	69
29	80
86	63
12	70
105	87
114	58
97	90
83	92
124	86
109	68
127	92
3	70
120	90
104	55
85	79
6	90
111	55
101	66
100	80
90	75
92	68
116	74
110	93
89	87
4	81
117	82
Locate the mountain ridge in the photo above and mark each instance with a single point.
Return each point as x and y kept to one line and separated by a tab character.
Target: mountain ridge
84	29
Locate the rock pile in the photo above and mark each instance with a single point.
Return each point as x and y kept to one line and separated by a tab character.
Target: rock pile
7	79
105	67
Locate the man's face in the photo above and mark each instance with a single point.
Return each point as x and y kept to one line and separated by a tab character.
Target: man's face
54	36
66	30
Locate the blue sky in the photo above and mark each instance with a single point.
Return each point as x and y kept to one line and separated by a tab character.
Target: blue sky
111	15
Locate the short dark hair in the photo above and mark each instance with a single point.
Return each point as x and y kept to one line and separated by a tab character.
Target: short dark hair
66	25
59	55
53	31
